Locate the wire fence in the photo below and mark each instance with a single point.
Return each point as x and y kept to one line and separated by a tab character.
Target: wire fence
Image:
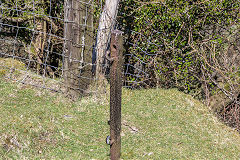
53	44
29	41
33	44
43	44
62	46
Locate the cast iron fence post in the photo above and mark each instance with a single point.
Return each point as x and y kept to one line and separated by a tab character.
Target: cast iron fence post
116	47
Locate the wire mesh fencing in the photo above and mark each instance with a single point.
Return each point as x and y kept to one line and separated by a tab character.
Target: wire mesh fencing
48	44
53	44
62	46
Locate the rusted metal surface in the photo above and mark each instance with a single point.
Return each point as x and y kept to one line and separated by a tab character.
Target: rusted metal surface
116	57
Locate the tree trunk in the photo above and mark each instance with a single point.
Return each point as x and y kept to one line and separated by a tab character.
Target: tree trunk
78	34
106	24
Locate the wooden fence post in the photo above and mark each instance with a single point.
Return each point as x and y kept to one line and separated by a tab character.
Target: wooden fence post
78	35
116	57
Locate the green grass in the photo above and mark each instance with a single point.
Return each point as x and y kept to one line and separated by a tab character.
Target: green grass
157	124
9	66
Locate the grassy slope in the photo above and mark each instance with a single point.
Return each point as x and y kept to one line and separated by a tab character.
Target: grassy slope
158	124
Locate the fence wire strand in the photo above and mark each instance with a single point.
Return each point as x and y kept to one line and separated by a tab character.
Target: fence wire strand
33	42
40	40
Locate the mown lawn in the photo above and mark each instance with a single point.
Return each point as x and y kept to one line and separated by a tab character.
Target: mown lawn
157	124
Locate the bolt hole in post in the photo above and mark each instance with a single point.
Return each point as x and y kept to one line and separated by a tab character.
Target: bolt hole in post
114	140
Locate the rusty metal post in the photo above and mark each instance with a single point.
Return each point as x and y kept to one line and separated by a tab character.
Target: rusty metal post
116	57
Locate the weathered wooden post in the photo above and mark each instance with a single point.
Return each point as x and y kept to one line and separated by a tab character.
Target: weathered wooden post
116	48
78	35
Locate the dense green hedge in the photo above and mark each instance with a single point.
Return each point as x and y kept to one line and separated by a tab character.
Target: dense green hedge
162	36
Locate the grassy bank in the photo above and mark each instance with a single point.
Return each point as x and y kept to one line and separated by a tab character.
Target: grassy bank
157	124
